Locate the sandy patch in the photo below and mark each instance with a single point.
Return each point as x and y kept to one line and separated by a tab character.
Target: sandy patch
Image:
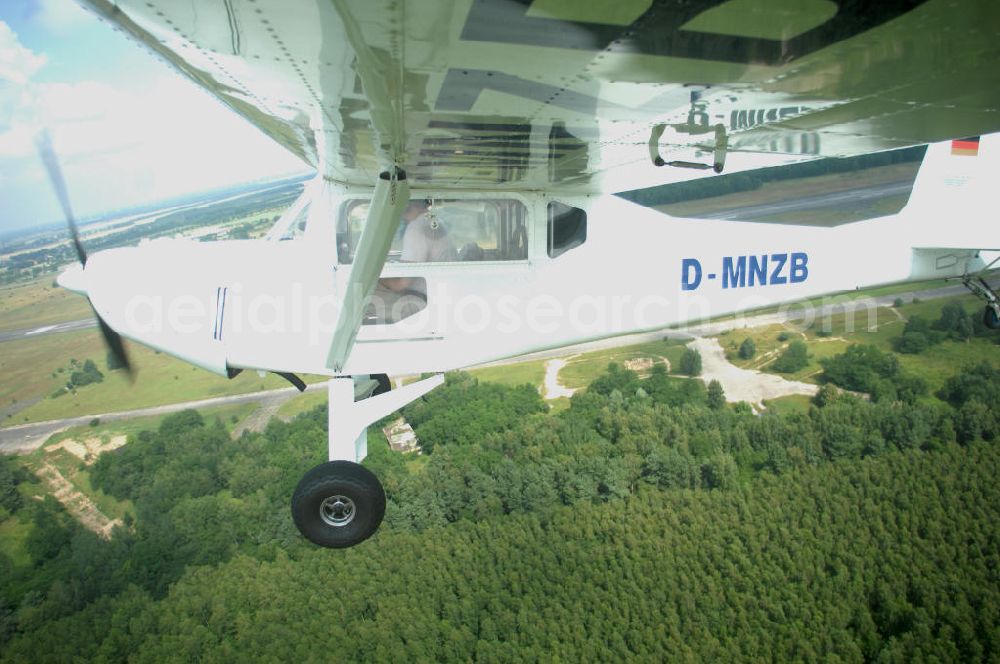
76	503
88	450
553	388
639	365
743	384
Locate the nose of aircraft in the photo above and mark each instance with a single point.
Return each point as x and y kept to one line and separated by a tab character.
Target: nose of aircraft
74	279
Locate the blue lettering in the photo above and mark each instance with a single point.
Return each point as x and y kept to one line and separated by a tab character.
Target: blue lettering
758	270
690	273
780	259
800	271
733	278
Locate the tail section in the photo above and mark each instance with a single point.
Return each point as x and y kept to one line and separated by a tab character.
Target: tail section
955	202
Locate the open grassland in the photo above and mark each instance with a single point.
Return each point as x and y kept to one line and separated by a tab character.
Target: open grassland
229	415
879	327
801	308
581	370
302	403
31	369
825	336
13	533
793	403
520	373
39	302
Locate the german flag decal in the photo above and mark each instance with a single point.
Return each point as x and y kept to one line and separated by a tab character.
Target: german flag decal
967	147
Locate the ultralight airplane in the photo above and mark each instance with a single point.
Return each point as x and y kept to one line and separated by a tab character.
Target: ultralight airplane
466	153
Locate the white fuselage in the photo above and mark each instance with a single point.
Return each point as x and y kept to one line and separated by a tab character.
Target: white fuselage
273	305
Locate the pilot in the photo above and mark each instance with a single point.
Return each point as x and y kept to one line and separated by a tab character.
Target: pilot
425	240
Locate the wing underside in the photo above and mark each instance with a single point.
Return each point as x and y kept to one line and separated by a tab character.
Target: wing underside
559	94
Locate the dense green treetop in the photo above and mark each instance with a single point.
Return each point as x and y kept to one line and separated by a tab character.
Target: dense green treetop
647	521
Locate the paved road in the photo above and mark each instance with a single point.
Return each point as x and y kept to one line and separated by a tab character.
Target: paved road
27	437
68	326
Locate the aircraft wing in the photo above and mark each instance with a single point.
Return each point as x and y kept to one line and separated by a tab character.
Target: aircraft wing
550	94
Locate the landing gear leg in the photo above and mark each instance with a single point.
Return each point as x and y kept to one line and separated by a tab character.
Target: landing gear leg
341	503
979	287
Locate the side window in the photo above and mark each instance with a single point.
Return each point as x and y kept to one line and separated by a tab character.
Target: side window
444	231
349	226
567	228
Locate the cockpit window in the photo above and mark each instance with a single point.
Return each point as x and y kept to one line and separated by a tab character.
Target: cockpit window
567	228
444	231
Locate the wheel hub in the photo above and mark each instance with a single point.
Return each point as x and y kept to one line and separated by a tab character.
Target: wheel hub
337	511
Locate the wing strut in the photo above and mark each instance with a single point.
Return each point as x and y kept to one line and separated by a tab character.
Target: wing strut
388	202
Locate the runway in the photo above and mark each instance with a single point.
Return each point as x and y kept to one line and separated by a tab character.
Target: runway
68	326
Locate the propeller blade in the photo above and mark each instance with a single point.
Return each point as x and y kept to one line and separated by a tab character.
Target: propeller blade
112	339
114	342
45	150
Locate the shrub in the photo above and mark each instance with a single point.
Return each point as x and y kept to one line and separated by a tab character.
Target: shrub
795	357
690	363
912	343
716	395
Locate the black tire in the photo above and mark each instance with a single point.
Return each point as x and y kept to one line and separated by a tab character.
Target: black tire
338	504
384	385
990	318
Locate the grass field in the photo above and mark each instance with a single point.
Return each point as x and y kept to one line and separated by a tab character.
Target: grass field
935	365
229	415
532	373
793	403
302	403
580	371
36	303
825	337
801	307
31	369
13	532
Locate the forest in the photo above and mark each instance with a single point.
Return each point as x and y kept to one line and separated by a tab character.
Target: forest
647	521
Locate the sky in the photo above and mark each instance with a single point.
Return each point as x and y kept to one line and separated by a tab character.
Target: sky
127	129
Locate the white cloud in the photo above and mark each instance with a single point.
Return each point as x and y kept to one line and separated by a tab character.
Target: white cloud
61	16
17	63
134	141
17	66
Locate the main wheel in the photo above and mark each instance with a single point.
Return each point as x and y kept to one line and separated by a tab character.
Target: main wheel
338	504
990	318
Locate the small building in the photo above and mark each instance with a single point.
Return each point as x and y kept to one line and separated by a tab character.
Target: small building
401	436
